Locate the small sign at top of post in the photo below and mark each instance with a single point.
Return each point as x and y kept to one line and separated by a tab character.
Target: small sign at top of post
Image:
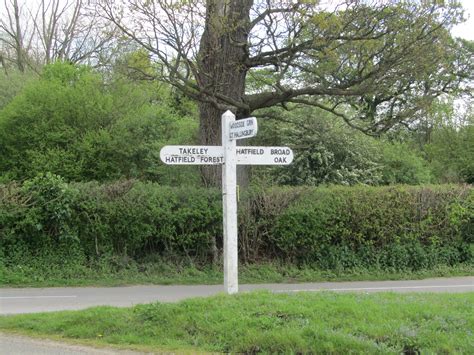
244	128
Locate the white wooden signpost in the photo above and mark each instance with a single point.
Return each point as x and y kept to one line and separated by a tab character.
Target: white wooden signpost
229	156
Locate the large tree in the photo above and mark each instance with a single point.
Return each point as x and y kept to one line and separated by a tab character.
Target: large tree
374	64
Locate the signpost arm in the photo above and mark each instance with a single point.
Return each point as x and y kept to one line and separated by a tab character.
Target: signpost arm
229	202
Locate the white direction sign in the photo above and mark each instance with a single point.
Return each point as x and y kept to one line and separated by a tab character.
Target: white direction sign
192	154
214	155
229	155
264	155
244	128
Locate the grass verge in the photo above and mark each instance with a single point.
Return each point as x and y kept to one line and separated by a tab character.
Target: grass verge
166	274
277	323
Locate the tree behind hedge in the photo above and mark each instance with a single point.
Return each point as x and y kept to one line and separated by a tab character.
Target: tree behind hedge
329	152
72	123
451	152
372	65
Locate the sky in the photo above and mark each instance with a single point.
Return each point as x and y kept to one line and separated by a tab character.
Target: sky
466	30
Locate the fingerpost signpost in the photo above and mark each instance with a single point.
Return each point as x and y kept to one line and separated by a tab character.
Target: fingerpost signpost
229	156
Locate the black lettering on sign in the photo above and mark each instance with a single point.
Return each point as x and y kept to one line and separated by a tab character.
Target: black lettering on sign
211	160
238	134
237	124
279	159
279	151
189	151
249	151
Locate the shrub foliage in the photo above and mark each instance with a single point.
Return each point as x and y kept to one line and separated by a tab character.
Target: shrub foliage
389	228
72	122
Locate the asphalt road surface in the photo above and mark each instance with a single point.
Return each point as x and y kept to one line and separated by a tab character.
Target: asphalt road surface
31	300
21	345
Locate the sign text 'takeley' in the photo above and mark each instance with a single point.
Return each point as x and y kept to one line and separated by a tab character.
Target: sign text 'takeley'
229	155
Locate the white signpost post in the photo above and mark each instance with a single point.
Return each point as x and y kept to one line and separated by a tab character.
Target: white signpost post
229	156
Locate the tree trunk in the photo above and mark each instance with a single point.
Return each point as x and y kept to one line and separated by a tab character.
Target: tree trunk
222	55
18	38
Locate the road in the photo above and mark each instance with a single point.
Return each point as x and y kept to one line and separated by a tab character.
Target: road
31	300
21	345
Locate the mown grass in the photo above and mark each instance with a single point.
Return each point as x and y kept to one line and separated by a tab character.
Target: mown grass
167	274
273	323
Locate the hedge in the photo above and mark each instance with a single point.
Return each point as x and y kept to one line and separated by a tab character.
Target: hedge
387	228
396	227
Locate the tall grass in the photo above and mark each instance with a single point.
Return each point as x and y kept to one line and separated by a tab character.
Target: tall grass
274	323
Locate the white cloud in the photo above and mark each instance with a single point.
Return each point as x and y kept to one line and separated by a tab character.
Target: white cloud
466	30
